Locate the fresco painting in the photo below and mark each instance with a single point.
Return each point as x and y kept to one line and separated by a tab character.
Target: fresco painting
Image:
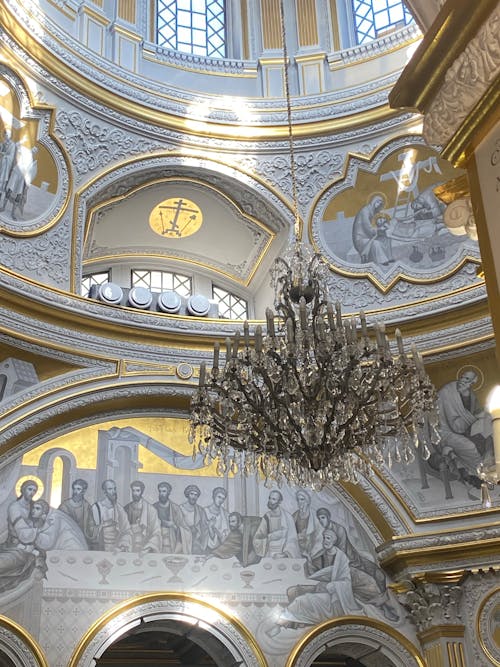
28	172
384	219
450	469
114	520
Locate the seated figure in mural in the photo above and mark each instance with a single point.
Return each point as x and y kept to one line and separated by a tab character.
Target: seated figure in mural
309	529
276	536
19	557
329	594
80	510
218	526
171	519
55	529
144	522
364	230
194	528
238	543
113	527
369	585
466	430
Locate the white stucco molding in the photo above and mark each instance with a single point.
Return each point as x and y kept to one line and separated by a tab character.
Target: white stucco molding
356	636
155	608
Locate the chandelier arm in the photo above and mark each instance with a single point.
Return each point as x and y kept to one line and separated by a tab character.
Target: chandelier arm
268	382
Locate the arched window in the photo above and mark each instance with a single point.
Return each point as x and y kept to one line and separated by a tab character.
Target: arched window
373	18
192	26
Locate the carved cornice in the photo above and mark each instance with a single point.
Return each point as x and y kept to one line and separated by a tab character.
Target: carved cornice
444	554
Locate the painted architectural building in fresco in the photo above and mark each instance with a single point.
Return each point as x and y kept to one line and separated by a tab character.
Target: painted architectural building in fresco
144	194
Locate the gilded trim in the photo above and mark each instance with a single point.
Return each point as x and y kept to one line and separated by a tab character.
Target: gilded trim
150	115
371	510
479	121
69	12
488	262
423	557
181	260
441	631
455	26
18	69
358	620
127	33
136	601
92	13
16	629
485	649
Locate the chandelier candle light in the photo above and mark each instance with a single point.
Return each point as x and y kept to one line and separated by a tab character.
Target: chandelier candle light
313	399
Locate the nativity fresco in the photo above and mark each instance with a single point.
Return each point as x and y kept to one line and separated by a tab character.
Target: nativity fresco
123	508
384	221
31	162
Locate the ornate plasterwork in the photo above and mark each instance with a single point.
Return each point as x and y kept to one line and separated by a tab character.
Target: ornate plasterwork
472	73
431	604
356	638
376	47
31	135
481	601
417	544
179	102
182	609
14	647
93	145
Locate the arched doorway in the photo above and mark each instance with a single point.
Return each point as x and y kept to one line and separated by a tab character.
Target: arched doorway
355	641
167	643
176	626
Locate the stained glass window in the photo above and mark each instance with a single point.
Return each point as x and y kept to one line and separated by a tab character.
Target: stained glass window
192	26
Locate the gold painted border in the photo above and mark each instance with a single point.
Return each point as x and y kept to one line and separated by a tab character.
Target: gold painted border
149	114
482	644
357	620
423	557
19	72
26	638
479	121
384	289
452	516
138	600
142	160
181	260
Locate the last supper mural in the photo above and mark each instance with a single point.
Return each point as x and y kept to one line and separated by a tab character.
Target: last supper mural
123	508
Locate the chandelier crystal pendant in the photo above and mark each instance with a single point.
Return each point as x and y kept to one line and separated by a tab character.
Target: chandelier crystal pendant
313	399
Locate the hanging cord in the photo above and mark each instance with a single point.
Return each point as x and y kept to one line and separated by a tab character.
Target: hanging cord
293	170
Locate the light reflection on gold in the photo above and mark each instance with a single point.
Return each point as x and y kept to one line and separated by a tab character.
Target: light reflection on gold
57	479
82	443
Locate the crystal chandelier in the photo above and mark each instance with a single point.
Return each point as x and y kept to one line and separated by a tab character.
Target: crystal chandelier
313	398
